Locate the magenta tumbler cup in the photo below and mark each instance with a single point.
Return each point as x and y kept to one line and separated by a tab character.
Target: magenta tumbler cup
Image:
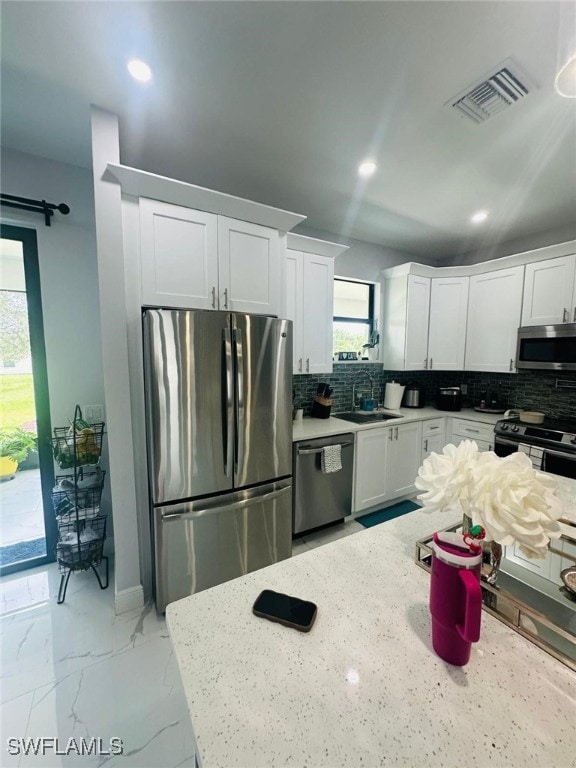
455	597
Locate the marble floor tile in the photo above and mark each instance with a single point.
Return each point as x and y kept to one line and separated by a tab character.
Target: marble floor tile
13	724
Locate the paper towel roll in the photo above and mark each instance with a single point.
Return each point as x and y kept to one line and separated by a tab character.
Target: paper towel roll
393	395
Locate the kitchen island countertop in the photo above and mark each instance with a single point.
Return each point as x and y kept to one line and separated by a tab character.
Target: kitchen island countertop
310	427
364	687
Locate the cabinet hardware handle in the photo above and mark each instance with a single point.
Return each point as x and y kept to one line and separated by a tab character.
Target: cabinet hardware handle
565	315
425	445
391	434
511	364
425	363
300	365
476	431
431	428
574	314
431	363
225	298
307	365
396	433
213	297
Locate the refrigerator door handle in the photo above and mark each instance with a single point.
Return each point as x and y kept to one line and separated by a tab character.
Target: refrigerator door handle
240	405
228	412
215	510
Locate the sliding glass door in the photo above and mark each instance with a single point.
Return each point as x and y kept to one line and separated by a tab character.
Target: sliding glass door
27	525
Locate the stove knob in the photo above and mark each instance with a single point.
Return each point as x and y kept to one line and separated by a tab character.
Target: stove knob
573	440
515	428
504	427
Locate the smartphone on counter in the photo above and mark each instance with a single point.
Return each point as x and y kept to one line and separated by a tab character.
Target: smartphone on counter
290	611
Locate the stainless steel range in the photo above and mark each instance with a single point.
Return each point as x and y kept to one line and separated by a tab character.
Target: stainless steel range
551	445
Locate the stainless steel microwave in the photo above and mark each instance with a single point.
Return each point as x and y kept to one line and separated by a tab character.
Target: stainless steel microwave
547	347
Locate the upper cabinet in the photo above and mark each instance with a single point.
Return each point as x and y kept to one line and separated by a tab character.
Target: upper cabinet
310	301
198	260
424	322
179	252
550	292
447	327
494	312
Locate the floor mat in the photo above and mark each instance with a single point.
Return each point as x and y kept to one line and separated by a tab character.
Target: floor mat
23	550
382	515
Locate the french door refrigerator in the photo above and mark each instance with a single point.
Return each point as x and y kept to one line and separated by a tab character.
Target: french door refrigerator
219	433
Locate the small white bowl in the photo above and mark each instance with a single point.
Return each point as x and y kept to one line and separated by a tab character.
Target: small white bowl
532	417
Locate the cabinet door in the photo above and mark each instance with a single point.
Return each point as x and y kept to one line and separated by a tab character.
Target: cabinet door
317	313
447	329
248	267
548	292
370	464
418	309
178	248
403	460
294	296
432	444
494	312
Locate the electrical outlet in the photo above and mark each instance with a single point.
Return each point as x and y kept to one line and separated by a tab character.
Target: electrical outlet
93	413
464	389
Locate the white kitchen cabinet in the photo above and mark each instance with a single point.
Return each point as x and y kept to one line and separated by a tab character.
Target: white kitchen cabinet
467	429
198	260
425	323
309	300
447	326
494	314
249	267
309	304
370	466
179	252
386	463
417	318
433	437
403	460
550	292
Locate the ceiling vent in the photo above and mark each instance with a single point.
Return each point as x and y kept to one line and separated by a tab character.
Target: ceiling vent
503	88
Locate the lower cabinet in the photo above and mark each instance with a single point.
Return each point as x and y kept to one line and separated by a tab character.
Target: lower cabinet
387	462
482	434
433	437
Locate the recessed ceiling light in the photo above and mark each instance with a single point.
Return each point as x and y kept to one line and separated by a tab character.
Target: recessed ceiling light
367	168
139	70
479	217
565	82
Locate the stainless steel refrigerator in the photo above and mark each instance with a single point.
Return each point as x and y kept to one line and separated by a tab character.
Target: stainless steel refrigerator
219	433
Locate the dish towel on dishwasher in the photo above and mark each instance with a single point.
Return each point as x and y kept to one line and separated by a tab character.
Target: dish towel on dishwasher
331	459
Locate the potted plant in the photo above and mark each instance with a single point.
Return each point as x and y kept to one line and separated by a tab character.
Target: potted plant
15	445
371	346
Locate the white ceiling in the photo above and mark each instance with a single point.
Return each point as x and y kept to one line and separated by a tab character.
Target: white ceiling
280	101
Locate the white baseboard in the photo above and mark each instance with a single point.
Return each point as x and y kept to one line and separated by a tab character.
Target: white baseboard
128	599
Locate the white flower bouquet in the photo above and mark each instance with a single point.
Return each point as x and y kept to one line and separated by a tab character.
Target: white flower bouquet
511	500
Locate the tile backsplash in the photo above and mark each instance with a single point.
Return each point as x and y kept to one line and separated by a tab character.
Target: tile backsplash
529	390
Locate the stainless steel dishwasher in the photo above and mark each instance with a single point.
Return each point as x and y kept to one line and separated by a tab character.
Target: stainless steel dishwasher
318	498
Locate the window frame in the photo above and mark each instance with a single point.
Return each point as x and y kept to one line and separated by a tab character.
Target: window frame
370	320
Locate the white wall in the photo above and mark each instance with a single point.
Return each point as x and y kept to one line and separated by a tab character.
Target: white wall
68	276
68	279
363	260
496	249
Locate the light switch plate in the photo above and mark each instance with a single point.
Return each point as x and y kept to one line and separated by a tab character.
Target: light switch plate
464	389
93	413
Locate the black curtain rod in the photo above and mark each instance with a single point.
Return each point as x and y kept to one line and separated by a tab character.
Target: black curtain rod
37	206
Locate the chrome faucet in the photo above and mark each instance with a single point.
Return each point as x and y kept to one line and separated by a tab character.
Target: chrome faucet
354	384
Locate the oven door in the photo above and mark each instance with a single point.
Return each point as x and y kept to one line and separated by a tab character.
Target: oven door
559	463
546	459
504	447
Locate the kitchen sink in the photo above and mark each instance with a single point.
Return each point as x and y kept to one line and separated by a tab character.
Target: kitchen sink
365	418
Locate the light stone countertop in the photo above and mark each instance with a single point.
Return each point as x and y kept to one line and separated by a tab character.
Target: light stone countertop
309	427
364	688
